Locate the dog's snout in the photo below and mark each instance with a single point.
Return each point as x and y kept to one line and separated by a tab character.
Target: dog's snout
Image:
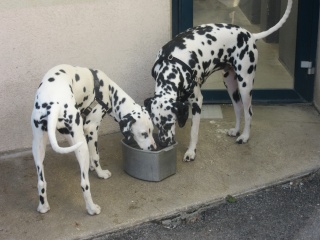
165	143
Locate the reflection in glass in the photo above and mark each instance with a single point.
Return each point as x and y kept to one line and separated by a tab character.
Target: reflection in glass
275	68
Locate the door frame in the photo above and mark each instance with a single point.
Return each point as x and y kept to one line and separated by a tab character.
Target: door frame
306	45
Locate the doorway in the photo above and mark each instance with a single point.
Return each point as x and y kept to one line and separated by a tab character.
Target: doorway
283	73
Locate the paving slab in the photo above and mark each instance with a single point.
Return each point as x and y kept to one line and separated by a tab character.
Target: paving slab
284	143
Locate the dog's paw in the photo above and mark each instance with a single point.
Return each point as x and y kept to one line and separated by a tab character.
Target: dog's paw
94	209
242	139
189	156
105	174
233	132
43	208
91	167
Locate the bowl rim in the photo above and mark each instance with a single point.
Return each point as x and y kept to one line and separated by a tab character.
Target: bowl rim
166	149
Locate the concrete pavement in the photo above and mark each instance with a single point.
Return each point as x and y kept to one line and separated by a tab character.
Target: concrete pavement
288	211
284	144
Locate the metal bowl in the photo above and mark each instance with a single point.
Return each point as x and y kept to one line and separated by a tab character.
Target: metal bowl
149	165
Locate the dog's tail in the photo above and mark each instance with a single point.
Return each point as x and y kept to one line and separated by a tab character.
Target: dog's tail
52	125
277	26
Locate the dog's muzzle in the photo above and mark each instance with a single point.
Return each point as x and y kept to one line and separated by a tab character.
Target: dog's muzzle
152	148
165	141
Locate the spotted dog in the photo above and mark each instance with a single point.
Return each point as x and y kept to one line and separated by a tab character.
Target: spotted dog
74	100
183	65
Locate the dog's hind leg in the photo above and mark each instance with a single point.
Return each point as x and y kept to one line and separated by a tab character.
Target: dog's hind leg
230	81
39	142
245	89
196	104
82	154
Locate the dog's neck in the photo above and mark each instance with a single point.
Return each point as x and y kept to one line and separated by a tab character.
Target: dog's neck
120	107
174	82
115	105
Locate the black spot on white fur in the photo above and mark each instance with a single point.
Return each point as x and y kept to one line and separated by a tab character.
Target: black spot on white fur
230	47
68	109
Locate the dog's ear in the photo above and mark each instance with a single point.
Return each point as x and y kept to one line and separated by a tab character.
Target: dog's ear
148	103
125	127
181	109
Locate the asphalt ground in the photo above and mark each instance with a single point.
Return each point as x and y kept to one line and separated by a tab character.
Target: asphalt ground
287	211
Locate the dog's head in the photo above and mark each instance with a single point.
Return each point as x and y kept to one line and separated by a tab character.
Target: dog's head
164	114
138	126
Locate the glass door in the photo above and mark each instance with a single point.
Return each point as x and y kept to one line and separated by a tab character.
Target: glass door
284	71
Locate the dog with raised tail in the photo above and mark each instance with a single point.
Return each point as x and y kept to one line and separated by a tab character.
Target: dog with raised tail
73	100
183	65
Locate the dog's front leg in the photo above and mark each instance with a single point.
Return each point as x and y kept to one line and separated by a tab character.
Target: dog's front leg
91	131
196	103
92	139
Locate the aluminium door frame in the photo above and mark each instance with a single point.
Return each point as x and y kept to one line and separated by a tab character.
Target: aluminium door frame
307	32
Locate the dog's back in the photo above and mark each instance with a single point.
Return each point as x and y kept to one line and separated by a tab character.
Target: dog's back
61	82
208	47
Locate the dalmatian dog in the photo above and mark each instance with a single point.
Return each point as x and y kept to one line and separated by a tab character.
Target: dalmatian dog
74	100
183	65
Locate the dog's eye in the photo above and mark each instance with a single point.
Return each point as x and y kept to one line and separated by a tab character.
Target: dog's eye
144	134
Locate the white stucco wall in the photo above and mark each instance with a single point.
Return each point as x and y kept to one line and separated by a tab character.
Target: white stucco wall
120	37
317	80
